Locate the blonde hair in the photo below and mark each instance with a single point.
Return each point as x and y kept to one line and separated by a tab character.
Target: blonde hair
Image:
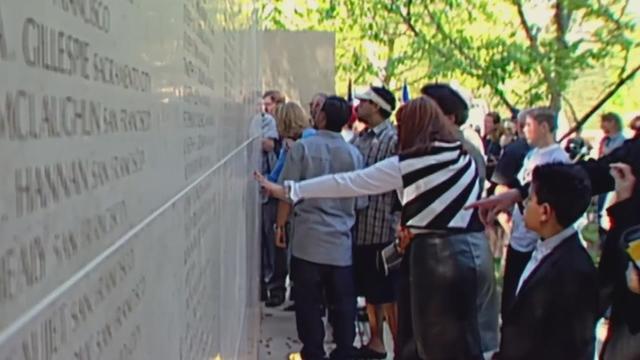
291	120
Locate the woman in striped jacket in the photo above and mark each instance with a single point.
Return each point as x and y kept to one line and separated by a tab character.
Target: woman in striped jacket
448	270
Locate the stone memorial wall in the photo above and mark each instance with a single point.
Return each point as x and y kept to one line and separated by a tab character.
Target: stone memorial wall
127	217
299	63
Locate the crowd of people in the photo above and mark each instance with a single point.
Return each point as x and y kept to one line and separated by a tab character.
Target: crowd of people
401	213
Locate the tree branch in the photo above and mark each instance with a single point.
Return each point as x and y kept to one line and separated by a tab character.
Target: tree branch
474	64
533	40
623	68
561	20
406	18
464	53
389	72
601	102
533	44
572	109
623	10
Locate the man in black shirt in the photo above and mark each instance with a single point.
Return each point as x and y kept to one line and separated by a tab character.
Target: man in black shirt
512	157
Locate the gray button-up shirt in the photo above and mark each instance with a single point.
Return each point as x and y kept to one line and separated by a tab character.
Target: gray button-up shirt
321	228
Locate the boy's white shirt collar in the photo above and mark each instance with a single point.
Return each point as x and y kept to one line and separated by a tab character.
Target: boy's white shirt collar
543	249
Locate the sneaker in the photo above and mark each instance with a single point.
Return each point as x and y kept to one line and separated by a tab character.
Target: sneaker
367	353
274	301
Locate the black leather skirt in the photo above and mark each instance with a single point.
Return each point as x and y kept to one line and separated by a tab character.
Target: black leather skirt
451	299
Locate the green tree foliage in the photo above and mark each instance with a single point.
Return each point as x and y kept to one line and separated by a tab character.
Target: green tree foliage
516	53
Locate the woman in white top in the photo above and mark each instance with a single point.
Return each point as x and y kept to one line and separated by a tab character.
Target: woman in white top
447	265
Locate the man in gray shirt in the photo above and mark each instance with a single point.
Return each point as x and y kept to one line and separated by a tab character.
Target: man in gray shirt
321	263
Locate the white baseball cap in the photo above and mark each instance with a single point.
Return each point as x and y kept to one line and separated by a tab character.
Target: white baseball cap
372	96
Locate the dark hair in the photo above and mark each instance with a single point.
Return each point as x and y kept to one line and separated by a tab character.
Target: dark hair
337	111
565	188
275	96
544	115
449	100
514	113
388	97
635	123
612	117
420	123
495	117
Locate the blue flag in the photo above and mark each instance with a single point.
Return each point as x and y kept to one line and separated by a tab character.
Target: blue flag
405	93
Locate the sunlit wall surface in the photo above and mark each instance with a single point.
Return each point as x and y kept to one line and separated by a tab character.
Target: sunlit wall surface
299	63
128	222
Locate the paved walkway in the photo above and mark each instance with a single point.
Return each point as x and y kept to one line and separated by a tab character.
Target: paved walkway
278	337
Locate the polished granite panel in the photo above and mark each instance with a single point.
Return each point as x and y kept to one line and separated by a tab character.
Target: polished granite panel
127	217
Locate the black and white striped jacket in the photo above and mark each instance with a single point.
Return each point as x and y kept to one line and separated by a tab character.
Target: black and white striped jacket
437	186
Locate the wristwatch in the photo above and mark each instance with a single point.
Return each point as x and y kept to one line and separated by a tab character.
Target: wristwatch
277	227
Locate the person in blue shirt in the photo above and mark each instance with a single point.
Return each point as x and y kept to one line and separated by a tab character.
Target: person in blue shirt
292	124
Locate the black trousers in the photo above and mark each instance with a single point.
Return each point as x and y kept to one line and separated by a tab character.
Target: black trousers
274	259
277	284
444	287
267	241
312	281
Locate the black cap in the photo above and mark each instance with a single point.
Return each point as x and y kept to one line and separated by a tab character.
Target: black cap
449	100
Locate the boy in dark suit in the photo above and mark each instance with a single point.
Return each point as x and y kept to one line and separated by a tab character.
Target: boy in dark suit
554	309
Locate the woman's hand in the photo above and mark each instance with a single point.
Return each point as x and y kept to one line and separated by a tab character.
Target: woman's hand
625	181
404	236
272	189
489	208
280	240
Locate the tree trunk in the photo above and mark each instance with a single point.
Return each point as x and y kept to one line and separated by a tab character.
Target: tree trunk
555	102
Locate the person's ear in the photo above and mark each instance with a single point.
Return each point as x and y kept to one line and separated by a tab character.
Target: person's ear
546	212
321	119
451	118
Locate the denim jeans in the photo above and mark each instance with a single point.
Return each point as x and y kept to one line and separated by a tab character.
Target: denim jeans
267	241
312	282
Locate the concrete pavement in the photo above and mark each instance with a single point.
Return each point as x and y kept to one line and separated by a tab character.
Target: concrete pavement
278	337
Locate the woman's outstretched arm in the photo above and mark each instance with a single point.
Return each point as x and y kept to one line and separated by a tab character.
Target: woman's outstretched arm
378	178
